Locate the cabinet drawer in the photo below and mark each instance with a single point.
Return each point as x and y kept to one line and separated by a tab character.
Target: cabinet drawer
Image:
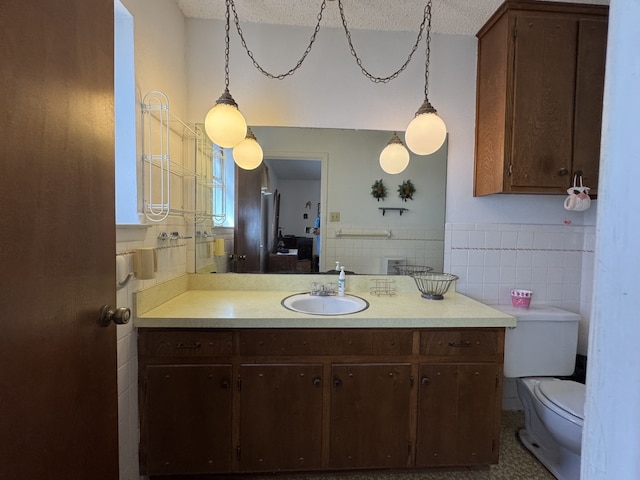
325	342
463	344
184	343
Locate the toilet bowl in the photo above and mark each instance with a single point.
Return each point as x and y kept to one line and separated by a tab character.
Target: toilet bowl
554	415
540	347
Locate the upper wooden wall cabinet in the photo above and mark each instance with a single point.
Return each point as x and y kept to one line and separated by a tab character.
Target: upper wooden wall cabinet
539	97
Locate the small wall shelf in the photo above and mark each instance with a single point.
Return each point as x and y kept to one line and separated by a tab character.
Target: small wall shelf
401	210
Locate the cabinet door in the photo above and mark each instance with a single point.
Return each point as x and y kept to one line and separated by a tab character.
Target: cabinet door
543	101
186	420
280	417
369	419
592	49
458	415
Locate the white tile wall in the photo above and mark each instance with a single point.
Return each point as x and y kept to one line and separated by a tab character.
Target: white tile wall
363	253
556	262
491	259
172	262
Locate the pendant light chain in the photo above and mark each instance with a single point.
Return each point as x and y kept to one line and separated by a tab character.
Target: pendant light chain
280	76
426	20
365	72
226	48
428	52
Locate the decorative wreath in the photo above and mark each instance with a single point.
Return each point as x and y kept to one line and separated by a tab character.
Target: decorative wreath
378	190
406	190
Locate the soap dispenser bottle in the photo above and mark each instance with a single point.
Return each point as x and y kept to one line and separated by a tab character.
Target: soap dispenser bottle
341	281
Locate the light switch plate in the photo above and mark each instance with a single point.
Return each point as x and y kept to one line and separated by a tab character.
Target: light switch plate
334	216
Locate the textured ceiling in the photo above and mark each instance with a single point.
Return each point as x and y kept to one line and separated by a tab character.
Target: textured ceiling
463	17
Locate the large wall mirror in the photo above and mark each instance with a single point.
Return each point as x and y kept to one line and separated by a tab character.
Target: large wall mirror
310	205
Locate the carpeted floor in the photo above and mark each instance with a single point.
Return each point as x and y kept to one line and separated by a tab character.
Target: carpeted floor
516	463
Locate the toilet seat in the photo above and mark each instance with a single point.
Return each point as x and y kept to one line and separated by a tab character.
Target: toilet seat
564	397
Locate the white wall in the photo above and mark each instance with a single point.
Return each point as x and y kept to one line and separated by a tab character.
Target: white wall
294	195
159	31
612	413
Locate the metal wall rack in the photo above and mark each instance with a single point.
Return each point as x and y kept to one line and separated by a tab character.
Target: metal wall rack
199	170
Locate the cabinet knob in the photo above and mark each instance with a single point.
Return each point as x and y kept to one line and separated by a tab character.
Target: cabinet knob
563	171
317	382
425	381
337	382
225	384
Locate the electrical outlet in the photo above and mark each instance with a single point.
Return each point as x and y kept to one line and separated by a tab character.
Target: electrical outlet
334	216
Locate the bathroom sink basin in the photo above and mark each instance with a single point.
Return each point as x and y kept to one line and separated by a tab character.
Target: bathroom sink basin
324	305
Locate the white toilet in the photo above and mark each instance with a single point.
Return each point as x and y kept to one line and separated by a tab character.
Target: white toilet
542	345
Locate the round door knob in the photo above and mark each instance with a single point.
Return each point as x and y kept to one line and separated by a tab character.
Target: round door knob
119	316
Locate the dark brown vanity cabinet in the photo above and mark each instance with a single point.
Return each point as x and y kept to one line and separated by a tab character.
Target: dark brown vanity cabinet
540	86
188	418
234	401
370	418
460	386
185	401
280	417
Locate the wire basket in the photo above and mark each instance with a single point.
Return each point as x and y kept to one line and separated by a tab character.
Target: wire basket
433	286
382	287
412	269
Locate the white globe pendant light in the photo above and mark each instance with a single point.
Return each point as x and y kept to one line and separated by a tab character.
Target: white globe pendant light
395	157
427	132
224	123
248	153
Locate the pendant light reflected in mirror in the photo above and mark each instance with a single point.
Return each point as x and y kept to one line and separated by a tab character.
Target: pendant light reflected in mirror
395	157
248	153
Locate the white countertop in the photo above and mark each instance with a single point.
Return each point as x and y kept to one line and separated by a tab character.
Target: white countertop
263	309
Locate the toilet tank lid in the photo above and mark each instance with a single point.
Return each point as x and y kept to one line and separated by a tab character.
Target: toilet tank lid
539	312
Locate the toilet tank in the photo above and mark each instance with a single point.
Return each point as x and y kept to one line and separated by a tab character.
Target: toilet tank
543	342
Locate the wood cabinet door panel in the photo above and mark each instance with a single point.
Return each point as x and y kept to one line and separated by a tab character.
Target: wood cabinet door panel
478	412
492	110
186	422
281	417
437	415
592	51
544	90
370	416
458	415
